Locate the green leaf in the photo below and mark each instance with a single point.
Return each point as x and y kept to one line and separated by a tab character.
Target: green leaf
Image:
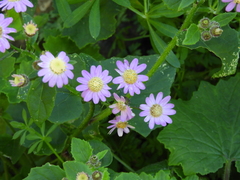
94	20
225	47
81	150
80	34
72	168
145	176
33	146
192	177
6	66
101	154
124	3
18	133
166	29
63	9
160	46
160	10
202	140
163	174
185	3
173	4
124	176
40	100
22	138
18	125
77	14
192	35
224	18
60	113
46	172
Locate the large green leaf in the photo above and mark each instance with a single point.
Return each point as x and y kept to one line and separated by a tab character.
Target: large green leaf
224	18
80	34
6	66
63	9
185	3
60	113
40	100
46	172
124	176
225	47
205	131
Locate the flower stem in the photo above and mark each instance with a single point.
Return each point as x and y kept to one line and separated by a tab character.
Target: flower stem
53	150
173	42
227	170
105	113
122	162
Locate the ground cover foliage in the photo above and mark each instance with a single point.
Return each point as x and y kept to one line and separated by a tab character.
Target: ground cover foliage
120	89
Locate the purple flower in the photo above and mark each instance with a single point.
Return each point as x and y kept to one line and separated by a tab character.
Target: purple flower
18	5
129	79
4	31
232	4
157	110
94	84
56	70
120	106
122	126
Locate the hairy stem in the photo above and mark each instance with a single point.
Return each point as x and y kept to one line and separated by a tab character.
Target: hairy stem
227	170
53	150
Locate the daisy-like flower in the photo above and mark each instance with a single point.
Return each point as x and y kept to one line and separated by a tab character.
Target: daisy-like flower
56	70
122	126
129	79
18	5
94	84
20	80
120	106
30	28
4	31
157	110
232	4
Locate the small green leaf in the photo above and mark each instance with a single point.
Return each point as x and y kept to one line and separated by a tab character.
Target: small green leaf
224	18
18	125
77	14
192	35
124	3
185	3
39	147
81	150
46	172
63	9
33	146
18	133
94	20
33	137
24	115
160	10
101	154
163	174
124	176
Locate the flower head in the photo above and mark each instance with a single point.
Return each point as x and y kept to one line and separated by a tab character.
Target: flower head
120	106
30	28
4	31
56	70
18	5
232	4
94	84
20	80
82	176
157	110
122	126
129	79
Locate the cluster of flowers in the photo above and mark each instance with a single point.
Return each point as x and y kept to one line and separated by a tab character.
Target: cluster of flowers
209	29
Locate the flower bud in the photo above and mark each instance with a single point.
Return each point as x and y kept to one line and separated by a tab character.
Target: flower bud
35	65
93	159
20	80
82	176
216	31
206	36
30	29
96	175
204	23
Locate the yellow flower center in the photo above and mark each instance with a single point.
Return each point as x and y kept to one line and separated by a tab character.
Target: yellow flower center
121	106
121	124
57	66
19	80
82	176
156	110
95	84
130	76
237	1
30	29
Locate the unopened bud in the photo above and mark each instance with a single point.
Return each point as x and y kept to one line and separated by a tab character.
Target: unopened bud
96	175
204	23
216	31
35	65
20	80
206	36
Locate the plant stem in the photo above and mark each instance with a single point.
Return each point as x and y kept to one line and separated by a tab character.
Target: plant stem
105	113
173	42
53	150
227	170
123	163
85	121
